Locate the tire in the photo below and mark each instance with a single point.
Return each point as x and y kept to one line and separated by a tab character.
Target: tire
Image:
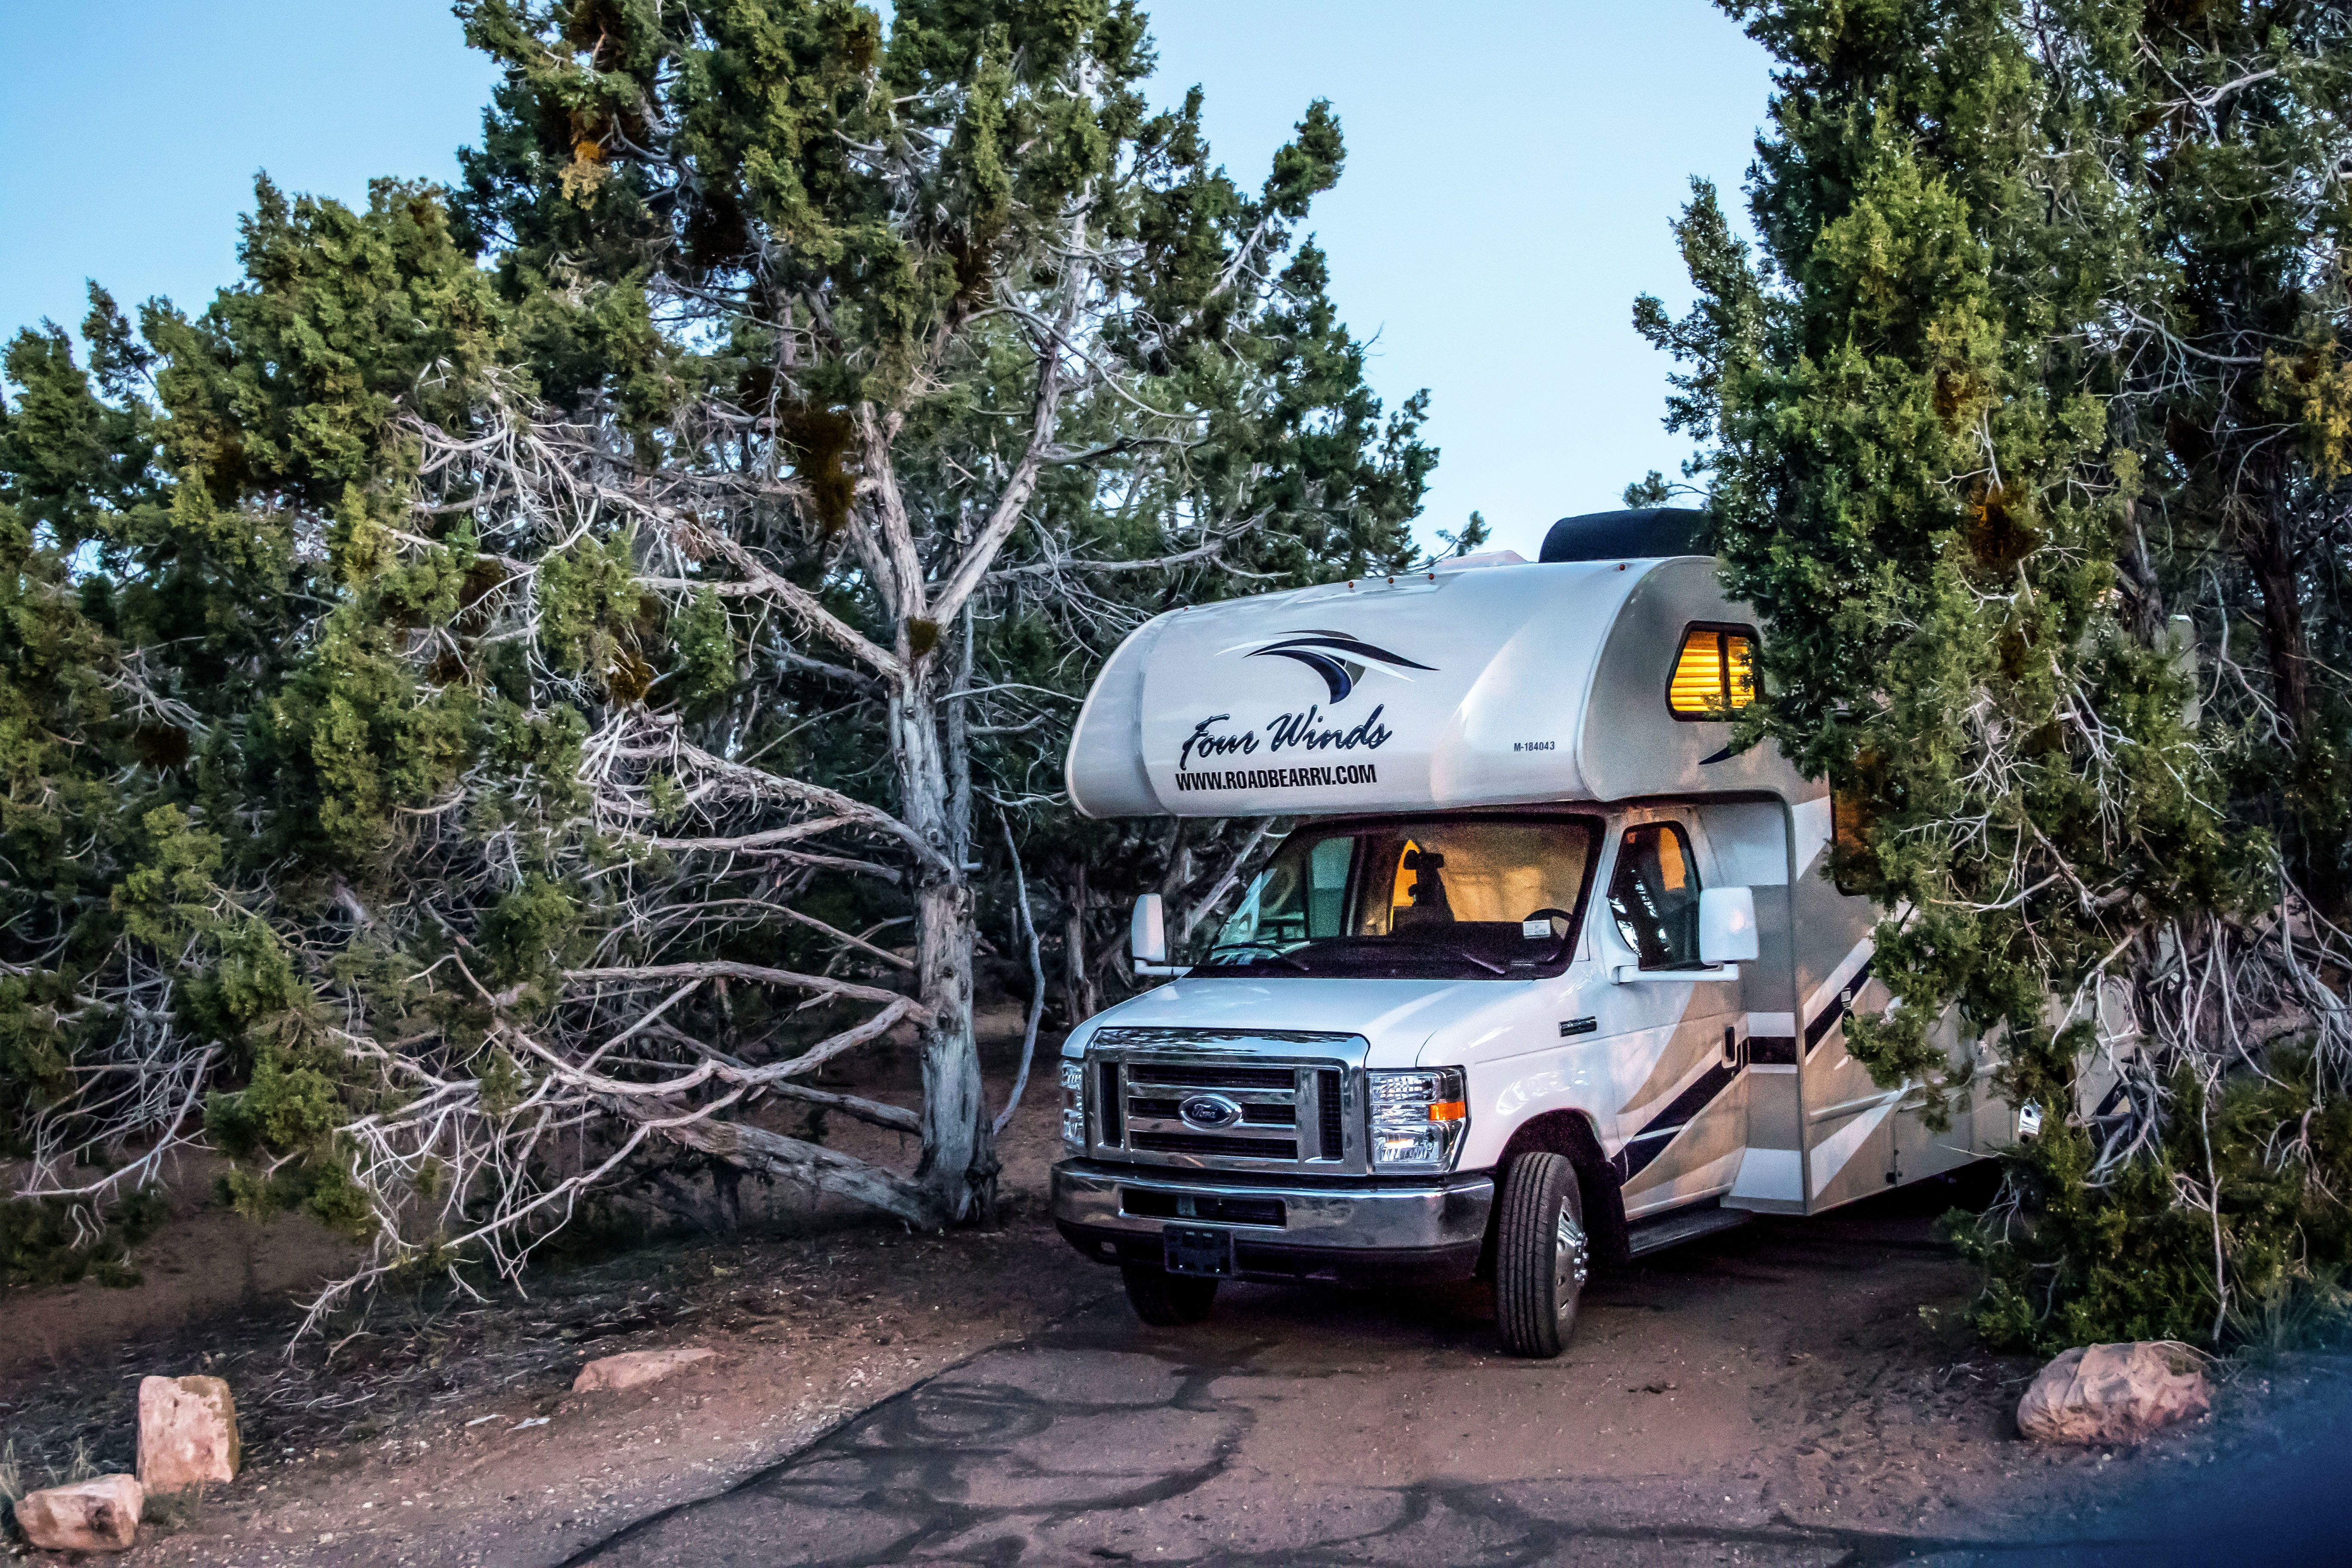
1542	1253
1168	1300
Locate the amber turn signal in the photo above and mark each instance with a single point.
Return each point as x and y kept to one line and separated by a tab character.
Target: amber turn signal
1449	1110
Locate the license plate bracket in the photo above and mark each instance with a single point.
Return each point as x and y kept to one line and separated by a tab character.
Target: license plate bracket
1197	1249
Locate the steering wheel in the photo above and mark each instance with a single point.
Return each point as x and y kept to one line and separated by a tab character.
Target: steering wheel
1563	916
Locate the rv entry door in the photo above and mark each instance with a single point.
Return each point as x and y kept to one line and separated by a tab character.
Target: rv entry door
1684	1123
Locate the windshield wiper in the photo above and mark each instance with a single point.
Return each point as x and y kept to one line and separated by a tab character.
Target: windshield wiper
1463	954
1273	952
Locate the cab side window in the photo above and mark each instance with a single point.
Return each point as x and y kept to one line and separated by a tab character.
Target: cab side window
1653	894
1327	886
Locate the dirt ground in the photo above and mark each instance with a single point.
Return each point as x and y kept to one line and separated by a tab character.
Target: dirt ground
1769	1397
1812	1374
443	1430
207	1265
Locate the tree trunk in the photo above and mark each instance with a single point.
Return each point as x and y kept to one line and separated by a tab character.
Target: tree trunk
2143	592
959	1165
1080	973
2270	556
812	1165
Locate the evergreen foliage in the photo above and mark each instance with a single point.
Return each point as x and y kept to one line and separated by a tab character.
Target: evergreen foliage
2020	426
535	669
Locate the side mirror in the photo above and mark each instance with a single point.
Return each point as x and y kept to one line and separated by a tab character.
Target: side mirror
1147	933
1726	925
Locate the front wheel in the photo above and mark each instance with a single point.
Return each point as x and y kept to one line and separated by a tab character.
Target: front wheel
1168	1300
1541	1256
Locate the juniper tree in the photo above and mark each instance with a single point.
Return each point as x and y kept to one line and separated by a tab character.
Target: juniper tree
619	618
2002	427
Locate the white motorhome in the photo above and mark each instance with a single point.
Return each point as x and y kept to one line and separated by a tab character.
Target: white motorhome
1547	973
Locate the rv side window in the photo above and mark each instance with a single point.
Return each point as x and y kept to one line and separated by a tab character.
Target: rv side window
1715	673
1653	894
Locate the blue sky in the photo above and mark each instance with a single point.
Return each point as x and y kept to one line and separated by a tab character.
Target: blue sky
1511	169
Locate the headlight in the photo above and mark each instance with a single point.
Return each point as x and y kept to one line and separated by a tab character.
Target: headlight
1417	1119
1073	1104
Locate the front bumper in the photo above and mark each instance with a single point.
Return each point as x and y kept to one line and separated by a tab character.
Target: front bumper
1355	1232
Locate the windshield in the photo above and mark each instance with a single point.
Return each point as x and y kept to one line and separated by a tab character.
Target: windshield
1462	897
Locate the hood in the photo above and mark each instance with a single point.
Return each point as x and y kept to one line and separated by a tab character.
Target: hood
1396	1018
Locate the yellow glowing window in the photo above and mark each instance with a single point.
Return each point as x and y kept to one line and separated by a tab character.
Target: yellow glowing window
1715	673
1406	876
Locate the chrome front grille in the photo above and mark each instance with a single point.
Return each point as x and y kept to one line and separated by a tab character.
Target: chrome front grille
1286	1110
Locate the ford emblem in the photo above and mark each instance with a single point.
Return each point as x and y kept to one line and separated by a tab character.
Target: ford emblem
1209	1111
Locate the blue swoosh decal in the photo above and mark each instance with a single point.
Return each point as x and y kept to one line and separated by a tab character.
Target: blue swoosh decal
1314	649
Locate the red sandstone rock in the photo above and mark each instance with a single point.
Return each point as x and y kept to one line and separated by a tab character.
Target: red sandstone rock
635	1367
97	1515
187	1432
2112	1394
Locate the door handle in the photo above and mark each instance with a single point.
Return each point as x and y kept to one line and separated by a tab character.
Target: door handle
1731	1045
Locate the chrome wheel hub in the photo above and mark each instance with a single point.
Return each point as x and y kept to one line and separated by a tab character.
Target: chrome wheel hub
1568	1262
